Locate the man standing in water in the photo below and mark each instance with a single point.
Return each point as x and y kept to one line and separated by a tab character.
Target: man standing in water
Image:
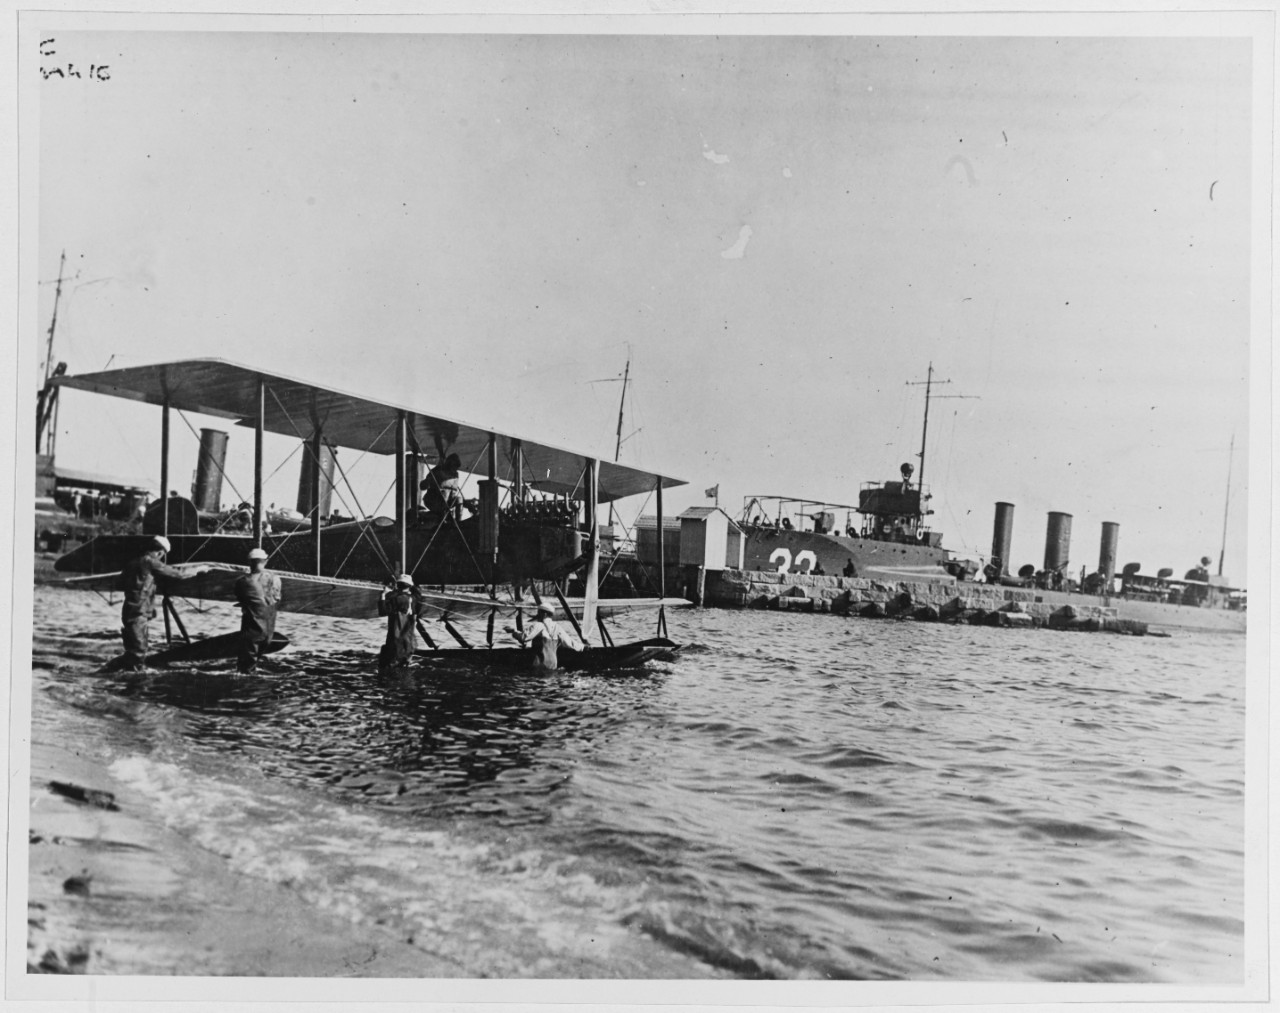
399	603
258	593
545	635
138	582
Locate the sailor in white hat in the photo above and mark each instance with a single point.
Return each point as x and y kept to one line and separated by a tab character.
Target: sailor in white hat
258	593
545	635
399	603
138	582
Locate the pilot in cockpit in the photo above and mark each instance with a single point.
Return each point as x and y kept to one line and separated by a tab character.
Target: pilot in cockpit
443	495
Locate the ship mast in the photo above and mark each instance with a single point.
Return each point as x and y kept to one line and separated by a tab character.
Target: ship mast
622	402
617	450
47	410
57	294
924	435
1226	509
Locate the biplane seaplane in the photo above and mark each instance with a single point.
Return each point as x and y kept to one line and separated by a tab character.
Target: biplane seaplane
533	522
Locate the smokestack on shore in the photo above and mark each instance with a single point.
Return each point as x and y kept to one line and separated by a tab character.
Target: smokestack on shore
206	492
1002	539
1107	553
1057	541
328	460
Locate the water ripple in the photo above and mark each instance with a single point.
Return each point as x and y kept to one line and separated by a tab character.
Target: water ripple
795	797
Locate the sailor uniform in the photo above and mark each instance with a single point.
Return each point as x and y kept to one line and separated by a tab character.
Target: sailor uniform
138	582
259	597
545	636
399	606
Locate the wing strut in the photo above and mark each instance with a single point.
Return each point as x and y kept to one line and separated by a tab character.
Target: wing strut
490	509
172	610
564	604
357	512
164	467
313	494
425	635
662	567
455	634
591	591
365	526
258	424
402	512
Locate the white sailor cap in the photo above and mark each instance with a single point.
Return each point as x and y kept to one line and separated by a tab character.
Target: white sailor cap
162	543
405	579
256	553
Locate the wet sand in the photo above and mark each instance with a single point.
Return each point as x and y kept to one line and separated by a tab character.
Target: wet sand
113	891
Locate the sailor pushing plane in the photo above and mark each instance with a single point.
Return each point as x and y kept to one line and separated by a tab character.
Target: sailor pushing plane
545	636
258	594
399	603
138	582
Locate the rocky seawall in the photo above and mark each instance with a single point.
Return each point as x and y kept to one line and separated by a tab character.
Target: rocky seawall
926	601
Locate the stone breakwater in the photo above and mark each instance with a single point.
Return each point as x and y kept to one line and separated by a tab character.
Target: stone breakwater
926	601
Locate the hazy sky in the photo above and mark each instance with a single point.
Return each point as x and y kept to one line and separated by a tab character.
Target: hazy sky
781	232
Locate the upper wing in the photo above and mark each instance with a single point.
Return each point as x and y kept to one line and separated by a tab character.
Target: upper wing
297	408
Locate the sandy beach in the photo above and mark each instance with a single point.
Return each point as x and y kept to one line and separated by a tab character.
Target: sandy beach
113	891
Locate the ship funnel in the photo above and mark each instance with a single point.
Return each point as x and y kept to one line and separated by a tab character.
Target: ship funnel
415	473
1003	536
206	490
1107	553
305	478
1057	541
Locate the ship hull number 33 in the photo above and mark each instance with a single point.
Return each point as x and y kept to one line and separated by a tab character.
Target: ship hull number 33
804	560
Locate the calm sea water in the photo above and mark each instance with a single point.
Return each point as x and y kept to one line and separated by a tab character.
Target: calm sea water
795	797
